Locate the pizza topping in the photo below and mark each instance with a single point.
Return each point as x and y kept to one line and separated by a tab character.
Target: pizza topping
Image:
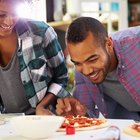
81	121
133	129
136	126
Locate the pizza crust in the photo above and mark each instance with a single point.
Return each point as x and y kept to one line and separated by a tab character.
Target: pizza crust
106	124
130	131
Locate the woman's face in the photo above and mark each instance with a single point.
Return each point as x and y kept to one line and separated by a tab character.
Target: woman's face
8	18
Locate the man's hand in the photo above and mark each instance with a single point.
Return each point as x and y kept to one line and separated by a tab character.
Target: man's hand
70	106
40	110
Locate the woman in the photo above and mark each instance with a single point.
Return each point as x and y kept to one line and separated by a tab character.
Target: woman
32	69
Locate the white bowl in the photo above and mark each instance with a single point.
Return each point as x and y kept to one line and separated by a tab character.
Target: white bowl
36	126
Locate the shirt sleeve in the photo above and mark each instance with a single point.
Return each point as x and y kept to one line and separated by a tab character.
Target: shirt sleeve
56	64
82	94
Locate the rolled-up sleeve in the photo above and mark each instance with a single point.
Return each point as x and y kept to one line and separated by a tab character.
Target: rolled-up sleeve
56	64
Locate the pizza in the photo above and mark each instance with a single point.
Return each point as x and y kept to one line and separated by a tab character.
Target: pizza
83	123
133	129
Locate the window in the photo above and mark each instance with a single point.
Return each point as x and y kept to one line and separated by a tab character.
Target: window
112	13
35	10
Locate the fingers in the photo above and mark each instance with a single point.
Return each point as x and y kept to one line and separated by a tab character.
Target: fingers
62	107
77	108
70	106
81	109
48	112
40	110
59	107
67	103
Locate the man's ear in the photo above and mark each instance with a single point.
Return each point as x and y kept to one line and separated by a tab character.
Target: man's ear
109	44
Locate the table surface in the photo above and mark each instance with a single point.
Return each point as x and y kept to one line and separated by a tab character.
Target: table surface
7	132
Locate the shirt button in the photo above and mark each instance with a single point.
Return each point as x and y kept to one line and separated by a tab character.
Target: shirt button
123	67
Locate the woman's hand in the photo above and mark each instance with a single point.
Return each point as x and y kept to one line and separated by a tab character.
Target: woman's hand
40	110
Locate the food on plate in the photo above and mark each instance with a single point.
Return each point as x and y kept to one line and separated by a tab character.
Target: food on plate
83	123
133	129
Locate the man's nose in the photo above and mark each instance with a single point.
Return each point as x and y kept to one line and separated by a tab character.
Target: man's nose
86	69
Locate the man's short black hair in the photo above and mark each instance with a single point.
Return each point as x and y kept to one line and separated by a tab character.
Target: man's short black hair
80	27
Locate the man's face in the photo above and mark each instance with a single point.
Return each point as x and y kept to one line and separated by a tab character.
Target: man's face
90	59
8	18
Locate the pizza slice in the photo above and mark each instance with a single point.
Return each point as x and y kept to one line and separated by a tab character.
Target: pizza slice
133	129
83	123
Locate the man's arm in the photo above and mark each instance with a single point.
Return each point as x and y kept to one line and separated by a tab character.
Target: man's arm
82	94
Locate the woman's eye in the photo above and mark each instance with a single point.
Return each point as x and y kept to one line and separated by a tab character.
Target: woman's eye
2	15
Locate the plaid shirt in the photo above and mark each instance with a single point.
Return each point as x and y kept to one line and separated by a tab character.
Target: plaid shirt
41	61
127	49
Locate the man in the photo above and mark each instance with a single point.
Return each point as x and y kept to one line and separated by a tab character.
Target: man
107	77
33	73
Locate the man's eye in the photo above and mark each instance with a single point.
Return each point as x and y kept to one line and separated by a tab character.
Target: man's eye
76	64
91	60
